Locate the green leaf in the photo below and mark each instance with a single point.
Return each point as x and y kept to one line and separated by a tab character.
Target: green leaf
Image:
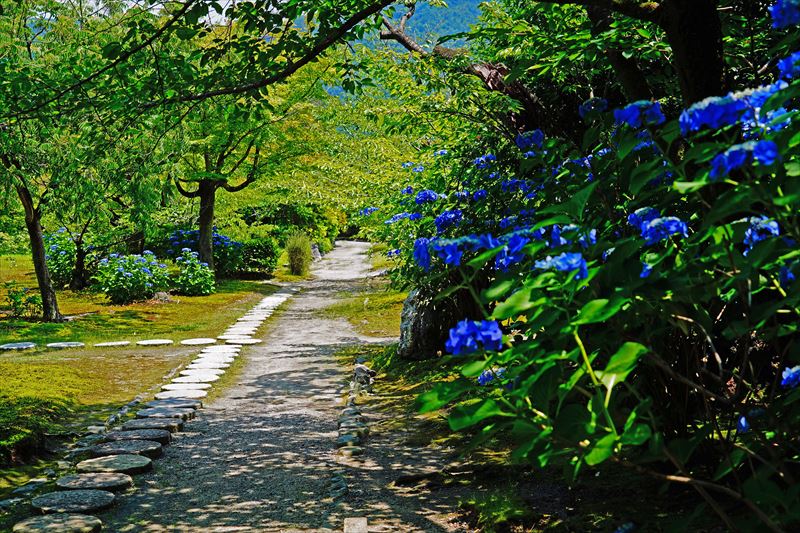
622	363
600	310
441	395
574	206
465	416
602	450
637	435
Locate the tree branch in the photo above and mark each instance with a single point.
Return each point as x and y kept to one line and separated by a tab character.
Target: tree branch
251	176
638	9
184	192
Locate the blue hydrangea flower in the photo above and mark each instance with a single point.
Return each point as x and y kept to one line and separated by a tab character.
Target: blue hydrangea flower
742	425
713	112
469	336
786	276
766	123
418	168
641	113
414	216
642	216
448	252
393	253
397	218
530	139
662	228
448	219
440	152
489	375
426	196
511	253
367	211
789	67
422	254
593	105
461	195
408	164
785	13
761	228
484	161
566	262
646	270
480	194
763	152
791	377
408	190
184	250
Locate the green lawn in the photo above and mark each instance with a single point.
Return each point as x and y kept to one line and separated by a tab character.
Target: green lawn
374	312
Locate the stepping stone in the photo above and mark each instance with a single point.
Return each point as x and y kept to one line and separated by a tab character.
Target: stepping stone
193	394
355	525
18	346
243	341
186	386
202	373
166	412
212	361
62	345
198	342
208	365
113	344
60	523
181	403
161	436
167	424
154	342
121	447
73	501
351	411
348	440
351	451
125	464
197	378
112	481
221	349
230	337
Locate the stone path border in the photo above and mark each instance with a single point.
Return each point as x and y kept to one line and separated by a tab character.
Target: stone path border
166	414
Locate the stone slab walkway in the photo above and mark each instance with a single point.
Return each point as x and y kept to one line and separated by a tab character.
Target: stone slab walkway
261	456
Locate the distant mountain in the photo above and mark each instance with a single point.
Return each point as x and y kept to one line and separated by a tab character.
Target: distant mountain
430	23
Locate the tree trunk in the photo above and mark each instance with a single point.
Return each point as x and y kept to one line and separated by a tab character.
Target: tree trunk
79	279
33	222
207	191
694	32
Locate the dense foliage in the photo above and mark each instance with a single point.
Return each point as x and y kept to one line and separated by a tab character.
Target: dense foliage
195	277
298	250
128	278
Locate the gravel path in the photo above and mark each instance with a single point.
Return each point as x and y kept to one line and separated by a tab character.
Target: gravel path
261	457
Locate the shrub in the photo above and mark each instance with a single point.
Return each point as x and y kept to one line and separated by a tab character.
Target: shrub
22	302
195	278
128	278
24	422
228	256
298	248
260	255
60	257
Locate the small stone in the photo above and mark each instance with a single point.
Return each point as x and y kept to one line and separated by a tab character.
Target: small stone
154	342
360	432
351	420
351	411
181	403
18	346
126	464
63	345
348	440
112	481
197	378
112	344
208	365
193	394
244	341
167	424
351	451
161	436
95	430
355	525
121	447
198	342
59	523
203	373
10	503
186	386
31	486
166	412
74	501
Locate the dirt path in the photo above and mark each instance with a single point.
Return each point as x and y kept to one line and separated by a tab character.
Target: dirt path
261	456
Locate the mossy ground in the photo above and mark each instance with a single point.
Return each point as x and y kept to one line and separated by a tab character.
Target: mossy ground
374	312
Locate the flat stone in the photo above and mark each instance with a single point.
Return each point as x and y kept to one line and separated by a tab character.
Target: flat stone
18	346
74	501
208	365
351	420
197	378
232	337
166	412
161	436
154	342
243	341
219	348
351	411
351	451
167	424
348	439
112	481
193	394
125	464
59	523
62	345
198	342
186	386
112	344
182	403
355	525
121	447
209	372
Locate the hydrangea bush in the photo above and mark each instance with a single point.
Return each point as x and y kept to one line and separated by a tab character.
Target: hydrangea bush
228	254
128	278
640	290
60	256
195	277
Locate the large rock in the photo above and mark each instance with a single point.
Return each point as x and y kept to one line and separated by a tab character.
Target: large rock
96	480
425	322
74	501
59	523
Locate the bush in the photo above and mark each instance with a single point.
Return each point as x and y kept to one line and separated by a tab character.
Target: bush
298	248
24	422
22	302
228	257
128	278
260	255
60	257
195	278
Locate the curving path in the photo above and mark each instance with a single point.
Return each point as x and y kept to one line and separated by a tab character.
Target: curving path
261	457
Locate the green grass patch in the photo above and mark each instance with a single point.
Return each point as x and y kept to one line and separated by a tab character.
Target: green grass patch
378	258
374	312
24	421
283	273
